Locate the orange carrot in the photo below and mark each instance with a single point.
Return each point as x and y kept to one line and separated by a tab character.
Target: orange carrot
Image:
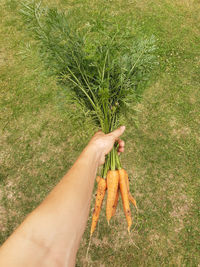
101	190
125	197
98	178
131	198
112	187
115	204
127	180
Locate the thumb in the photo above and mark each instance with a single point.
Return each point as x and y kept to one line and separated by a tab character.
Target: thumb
116	133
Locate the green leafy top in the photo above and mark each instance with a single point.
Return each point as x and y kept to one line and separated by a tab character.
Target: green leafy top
105	73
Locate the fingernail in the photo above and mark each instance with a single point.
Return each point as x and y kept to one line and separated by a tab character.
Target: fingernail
123	128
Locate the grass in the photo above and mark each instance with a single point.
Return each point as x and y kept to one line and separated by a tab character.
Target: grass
39	143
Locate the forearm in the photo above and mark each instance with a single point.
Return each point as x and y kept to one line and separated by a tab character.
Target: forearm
51	234
69	202
67	206
57	225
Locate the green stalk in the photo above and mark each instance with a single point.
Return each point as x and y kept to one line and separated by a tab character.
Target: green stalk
103	169
112	161
106	56
135	63
106	119
103	71
77	83
118	163
85	80
106	166
112	121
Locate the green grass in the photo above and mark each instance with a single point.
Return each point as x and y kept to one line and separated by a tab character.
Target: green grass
39	142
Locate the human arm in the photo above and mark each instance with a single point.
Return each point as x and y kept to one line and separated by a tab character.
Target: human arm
51	234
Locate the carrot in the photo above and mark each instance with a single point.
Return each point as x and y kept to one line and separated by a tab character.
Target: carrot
131	198
115	204
125	196
112	187
101	190
127	180
98	178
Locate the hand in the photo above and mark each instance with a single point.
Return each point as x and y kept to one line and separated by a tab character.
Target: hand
104	142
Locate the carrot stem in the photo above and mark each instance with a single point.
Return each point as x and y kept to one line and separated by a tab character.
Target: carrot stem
118	163
112	156
106	167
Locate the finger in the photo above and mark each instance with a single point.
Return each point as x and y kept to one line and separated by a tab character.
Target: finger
121	143
118	132
121	149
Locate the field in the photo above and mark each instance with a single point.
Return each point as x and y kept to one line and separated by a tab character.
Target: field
39	141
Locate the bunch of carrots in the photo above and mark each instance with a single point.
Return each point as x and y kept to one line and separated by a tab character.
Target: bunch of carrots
115	181
104	73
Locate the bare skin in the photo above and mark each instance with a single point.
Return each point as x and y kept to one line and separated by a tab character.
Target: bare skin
51	234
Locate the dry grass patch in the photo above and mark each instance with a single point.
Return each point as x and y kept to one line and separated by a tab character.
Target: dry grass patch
181	205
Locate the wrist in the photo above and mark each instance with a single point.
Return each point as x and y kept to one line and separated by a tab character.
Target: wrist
93	150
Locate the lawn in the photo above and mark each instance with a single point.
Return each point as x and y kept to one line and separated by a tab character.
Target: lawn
39	142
